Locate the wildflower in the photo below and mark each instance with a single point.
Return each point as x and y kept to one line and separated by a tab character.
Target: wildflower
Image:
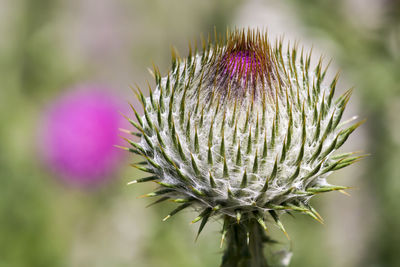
79	132
245	132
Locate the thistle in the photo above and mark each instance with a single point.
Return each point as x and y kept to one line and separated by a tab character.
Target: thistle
245	132
78	134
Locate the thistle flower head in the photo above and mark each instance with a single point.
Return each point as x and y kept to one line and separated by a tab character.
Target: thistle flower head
243	129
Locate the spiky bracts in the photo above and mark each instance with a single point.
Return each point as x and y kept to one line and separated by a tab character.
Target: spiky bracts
242	130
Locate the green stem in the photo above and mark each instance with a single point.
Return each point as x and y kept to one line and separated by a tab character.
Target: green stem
245	245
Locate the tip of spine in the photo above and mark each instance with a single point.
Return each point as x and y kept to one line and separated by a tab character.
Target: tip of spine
222	242
344	193
124	130
146	195
287	235
121	147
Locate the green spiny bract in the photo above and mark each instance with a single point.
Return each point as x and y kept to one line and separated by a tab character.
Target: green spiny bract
242	130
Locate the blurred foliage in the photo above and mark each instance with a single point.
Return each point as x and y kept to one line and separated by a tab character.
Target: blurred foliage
43	223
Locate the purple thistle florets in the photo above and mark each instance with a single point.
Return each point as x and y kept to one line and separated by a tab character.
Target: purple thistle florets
245	61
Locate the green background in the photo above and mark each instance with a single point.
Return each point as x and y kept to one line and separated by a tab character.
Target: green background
47	46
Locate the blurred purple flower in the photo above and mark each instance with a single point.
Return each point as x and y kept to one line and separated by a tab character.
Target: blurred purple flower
79	134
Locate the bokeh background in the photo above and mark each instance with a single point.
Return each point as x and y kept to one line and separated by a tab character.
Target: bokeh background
53	50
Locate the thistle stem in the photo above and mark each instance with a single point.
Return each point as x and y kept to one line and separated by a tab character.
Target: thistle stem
245	245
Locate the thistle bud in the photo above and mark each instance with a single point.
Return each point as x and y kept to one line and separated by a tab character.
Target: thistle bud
243	131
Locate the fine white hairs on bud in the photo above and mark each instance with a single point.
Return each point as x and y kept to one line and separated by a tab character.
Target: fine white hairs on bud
243	130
